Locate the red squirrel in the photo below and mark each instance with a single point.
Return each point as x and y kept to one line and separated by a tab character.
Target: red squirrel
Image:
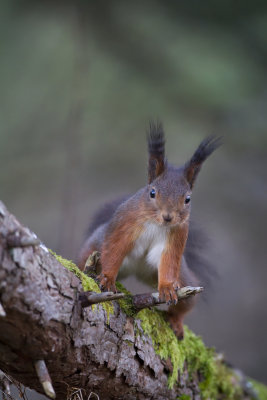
147	232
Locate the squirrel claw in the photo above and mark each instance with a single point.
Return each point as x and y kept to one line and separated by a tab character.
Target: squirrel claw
168	294
107	284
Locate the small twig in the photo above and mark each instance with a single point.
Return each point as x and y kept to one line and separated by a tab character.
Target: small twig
2	209
15	240
74	393
2	311
44	378
93	394
77	395
152	299
91	264
139	301
89	298
5	385
92	259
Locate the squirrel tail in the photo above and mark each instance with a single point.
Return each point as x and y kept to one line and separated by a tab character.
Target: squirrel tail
104	214
197	258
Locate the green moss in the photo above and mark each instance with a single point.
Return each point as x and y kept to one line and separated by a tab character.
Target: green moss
126	303
260	389
221	380
217	378
88	283
184	397
130	344
163	338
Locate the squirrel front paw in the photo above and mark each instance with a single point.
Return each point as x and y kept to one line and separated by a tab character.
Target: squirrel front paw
167	293
106	283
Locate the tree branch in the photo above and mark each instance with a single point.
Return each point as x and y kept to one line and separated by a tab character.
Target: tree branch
44	378
43	327
89	298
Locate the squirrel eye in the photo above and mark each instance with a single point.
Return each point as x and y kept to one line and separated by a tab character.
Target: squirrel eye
152	193
187	199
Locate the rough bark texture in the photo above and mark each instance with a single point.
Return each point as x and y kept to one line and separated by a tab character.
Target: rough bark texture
45	321
81	348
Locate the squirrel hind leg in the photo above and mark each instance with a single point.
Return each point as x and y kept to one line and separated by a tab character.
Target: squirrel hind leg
176	313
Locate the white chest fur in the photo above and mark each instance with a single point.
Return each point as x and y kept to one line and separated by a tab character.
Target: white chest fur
150	245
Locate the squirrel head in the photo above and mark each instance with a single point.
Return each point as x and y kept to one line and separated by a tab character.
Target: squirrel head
169	188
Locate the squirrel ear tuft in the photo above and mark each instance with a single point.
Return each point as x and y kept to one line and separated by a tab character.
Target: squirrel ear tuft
156	151
206	147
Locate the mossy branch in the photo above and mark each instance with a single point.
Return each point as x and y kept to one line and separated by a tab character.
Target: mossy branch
106	348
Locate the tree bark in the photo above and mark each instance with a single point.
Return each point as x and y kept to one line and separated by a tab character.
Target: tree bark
42	319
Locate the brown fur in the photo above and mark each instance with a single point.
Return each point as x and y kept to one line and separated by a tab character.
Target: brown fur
170	264
116	236
118	244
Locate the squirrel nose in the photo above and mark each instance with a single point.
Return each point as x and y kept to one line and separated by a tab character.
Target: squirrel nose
167	217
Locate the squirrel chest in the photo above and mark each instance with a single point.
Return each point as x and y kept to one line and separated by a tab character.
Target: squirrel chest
149	245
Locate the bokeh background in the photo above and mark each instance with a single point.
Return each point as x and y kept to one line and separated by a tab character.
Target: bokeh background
80	82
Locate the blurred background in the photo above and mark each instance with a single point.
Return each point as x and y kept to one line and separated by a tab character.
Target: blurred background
80	82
